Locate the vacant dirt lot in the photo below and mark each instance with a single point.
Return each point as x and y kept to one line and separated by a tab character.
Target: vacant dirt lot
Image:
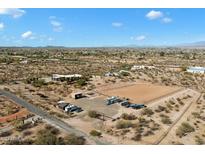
22	113
140	93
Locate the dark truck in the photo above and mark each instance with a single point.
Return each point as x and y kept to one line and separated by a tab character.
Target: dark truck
137	106
125	104
133	106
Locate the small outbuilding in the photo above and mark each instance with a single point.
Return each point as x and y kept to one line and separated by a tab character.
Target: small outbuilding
77	95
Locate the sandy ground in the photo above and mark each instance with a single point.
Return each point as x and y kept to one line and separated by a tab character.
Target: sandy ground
140	93
188	139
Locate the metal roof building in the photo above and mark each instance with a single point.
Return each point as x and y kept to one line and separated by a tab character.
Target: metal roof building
196	70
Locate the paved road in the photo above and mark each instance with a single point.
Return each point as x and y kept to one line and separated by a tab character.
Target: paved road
49	118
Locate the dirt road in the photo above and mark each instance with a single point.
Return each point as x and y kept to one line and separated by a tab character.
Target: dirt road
165	134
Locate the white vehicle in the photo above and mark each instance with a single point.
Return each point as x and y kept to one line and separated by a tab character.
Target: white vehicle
67	108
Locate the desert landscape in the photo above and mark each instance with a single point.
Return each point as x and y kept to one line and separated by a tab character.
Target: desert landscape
101	96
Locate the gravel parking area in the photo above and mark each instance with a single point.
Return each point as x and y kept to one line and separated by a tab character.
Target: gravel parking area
97	104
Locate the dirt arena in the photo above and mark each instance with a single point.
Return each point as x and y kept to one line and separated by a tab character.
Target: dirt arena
140	93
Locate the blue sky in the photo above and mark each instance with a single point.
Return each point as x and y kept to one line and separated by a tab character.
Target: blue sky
100	27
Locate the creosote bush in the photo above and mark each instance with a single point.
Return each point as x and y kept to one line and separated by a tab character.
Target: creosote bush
147	111
95	133
93	114
184	129
126	116
122	124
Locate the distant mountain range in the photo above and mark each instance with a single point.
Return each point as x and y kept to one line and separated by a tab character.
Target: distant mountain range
200	44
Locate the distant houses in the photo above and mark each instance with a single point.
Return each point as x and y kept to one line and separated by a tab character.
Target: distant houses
24	62
58	77
200	70
109	74
138	67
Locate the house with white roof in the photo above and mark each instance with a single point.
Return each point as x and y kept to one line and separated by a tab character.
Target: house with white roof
200	70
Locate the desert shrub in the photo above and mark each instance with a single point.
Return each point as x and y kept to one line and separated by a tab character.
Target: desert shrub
124	131
196	114
52	129
27	133
183	68
93	114
147	111
20	125
154	127
81	82
46	137
125	73
13	142
38	82
20	142
166	120
95	133
199	140
126	116
123	124
176	106
177	143
147	133
142	120
181	103
72	139
171	102
161	108
137	137
178	99
169	106
5	134
184	129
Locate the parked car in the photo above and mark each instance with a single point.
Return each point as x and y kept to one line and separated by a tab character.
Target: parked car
109	102
137	106
76	109
73	108
79	110
113	100
68	108
125	104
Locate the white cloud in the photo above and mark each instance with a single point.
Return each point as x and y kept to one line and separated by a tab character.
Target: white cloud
52	17
154	15
15	13
50	39
55	23
117	24
57	26
27	35
166	20
138	38
2	26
